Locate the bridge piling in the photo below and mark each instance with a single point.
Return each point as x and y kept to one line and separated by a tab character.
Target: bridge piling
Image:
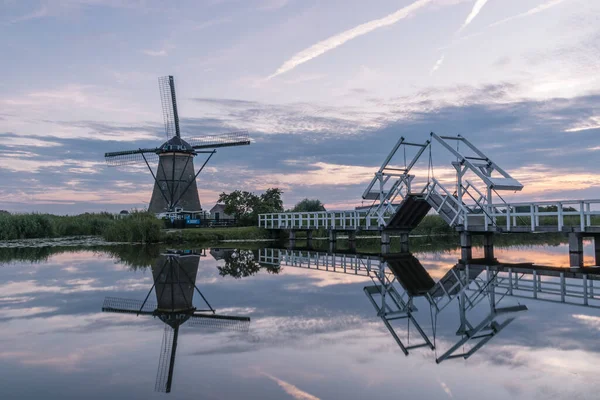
352	236
386	240
332	236
488	246
576	249
404	242
466	246
597	249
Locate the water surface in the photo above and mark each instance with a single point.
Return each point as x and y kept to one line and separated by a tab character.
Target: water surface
312	334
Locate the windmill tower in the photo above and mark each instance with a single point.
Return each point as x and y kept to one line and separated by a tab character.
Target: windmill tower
174	276
175	187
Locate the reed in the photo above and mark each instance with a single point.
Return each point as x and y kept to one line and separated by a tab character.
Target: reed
136	227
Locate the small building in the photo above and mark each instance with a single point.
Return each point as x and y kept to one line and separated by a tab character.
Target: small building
217	213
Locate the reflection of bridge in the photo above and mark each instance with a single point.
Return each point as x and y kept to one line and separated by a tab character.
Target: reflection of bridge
398	279
471	205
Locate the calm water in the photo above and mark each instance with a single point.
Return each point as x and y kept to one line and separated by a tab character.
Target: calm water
312	334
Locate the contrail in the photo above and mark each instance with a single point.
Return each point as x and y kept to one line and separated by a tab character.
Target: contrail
535	10
337	40
438	64
474	12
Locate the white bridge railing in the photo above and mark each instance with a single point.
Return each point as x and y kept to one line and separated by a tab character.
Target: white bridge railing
338	220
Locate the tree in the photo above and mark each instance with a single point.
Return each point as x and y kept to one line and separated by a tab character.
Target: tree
308	205
245	206
242	263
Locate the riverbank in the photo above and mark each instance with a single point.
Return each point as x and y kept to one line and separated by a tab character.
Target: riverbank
135	227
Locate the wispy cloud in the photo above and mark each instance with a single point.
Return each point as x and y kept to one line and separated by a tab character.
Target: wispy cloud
474	12
332	42
155	53
290	389
535	10
438	63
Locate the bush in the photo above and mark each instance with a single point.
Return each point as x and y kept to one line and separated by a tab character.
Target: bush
137	227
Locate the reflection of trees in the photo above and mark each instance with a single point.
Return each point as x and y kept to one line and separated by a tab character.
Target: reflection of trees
134	256
242	263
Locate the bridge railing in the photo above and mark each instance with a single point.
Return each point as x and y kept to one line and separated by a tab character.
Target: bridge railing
339	220
546	215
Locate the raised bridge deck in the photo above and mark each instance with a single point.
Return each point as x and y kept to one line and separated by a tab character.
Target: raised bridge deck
468	206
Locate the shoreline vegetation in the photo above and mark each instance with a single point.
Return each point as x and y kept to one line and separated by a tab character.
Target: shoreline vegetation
143	227
142	255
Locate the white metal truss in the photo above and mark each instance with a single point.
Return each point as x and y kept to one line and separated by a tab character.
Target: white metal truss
391	182
386	295
464	207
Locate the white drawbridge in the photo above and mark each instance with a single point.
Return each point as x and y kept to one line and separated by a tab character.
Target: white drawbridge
473	203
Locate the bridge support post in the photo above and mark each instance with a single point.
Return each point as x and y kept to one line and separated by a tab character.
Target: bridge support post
404	242
575	249
292	236
488	246
332	236
466	247
309	238
597	249
386	240
352	236
332	247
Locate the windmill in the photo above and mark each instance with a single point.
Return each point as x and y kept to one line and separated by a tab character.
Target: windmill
175	187
174	276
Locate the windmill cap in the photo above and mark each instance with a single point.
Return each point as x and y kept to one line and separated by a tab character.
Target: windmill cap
176	144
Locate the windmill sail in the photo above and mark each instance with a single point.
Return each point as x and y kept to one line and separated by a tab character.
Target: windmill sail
166	363
240	138
128	157
169	105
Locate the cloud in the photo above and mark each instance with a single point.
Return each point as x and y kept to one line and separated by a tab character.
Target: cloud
36	14
332	42
438	64
533	11
155	53
290	389
474	12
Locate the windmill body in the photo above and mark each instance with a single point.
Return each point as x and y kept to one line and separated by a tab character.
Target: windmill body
175	187
175	182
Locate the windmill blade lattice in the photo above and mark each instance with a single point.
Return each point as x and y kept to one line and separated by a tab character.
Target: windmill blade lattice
117	304
166	85
162	384
120	158
225	140
240	324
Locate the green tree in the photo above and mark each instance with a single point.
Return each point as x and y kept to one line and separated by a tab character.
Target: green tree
308	205
245	206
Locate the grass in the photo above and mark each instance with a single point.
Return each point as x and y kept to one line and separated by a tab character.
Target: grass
201	235
137	227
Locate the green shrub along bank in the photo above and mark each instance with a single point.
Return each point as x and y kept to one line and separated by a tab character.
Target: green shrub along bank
136	227
30	226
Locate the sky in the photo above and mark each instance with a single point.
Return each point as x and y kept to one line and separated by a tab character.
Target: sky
325	89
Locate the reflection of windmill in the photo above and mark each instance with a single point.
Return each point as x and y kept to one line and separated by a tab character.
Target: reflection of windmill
174	276
175	181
